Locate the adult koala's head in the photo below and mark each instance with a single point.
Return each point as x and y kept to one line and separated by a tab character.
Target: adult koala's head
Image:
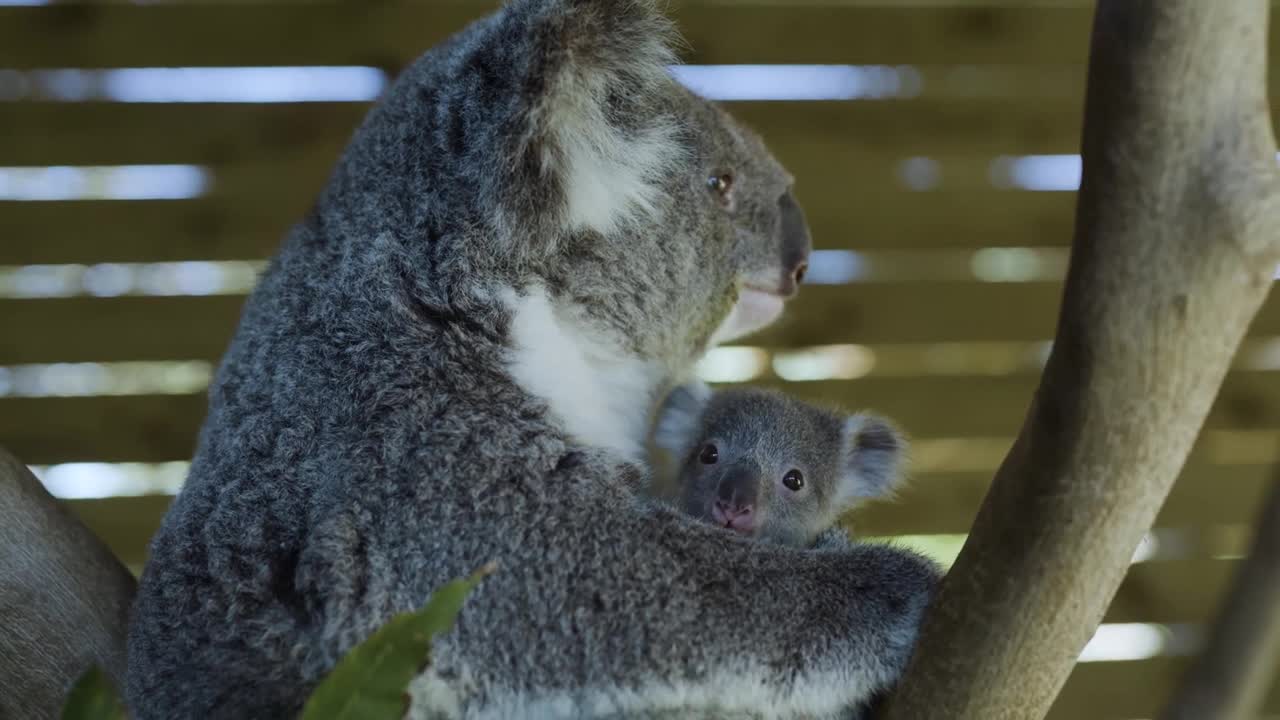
668	221
754	228
549	151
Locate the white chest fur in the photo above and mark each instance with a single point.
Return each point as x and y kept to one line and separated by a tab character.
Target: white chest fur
599	392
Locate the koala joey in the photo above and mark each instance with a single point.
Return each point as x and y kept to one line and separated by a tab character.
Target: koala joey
772	467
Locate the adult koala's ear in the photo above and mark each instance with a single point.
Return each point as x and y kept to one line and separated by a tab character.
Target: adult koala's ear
872	457
680	418
581	92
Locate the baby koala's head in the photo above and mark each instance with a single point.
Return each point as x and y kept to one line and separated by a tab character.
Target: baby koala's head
773	467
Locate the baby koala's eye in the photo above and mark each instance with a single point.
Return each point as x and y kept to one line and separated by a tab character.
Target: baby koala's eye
794	480
709	454
721	184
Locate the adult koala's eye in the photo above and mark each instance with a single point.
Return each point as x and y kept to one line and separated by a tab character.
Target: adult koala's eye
721	184
709	455
794	480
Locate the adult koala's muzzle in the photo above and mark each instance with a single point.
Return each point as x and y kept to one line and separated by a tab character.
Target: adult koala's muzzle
795	242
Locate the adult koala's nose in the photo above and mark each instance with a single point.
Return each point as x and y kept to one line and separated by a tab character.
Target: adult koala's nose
795	242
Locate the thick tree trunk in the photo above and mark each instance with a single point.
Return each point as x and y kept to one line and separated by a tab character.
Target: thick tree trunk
1231	677
1175	247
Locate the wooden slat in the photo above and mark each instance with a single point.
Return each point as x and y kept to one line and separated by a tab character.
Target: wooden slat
124	328
53	133
1126	690
994	406
947	502
44	431
160	428
250	226
83	329
391	34
877	218
142	231
938	312
106	133
868	313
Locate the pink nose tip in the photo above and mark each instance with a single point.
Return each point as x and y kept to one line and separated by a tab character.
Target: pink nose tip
737	517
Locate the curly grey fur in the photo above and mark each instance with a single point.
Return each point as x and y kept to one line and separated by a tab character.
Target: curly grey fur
387	417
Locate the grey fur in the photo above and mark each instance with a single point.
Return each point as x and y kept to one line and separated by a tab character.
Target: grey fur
755	437
367	440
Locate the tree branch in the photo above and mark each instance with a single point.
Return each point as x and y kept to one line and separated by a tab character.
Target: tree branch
64	598
1174	252
1230	678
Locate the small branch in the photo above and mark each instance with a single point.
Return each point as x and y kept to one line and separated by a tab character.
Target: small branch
1173	254
1230	678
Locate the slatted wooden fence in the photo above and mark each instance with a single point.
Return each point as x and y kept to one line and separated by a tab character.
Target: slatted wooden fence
991	79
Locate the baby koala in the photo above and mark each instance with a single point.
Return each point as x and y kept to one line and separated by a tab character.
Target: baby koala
773	467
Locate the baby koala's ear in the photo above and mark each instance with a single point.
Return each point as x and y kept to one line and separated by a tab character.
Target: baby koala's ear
872	456
680	418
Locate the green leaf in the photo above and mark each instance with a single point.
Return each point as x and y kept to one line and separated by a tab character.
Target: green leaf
93	698
371	682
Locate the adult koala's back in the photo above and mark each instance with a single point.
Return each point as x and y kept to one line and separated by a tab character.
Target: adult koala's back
451	361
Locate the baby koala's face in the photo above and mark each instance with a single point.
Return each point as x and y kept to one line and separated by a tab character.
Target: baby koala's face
771	467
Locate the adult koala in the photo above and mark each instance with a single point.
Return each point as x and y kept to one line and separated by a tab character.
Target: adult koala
451	361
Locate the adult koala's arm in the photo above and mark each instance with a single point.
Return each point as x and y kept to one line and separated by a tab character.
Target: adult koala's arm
452	360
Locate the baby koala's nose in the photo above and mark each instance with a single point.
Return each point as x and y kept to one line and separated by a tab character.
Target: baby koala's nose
733	515
736	495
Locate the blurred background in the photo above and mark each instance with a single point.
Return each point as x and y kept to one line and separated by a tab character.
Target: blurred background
152	155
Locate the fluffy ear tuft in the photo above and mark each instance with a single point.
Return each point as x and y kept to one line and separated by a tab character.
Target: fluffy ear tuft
873	456
680	417
594	126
